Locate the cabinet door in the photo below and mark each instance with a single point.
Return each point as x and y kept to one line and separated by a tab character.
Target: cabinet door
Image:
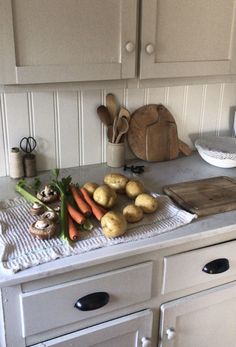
204	319
73	40
131	331
187	38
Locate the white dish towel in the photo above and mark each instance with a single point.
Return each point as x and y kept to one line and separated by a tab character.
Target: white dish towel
20	250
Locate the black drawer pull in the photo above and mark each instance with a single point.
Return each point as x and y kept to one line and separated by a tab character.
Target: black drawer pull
216	266
92	301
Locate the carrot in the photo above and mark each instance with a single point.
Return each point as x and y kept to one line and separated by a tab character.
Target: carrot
75	215
82	205
97	210
73	232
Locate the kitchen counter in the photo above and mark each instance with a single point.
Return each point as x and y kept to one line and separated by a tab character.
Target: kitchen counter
222	226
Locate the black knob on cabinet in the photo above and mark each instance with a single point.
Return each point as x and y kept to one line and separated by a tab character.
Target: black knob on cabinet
216	266
92	301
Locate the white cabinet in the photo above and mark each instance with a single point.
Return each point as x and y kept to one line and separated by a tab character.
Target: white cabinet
131	331
187	38
204	319
45	41
174	296
56	41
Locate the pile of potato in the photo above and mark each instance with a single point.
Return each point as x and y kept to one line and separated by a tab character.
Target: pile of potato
114	223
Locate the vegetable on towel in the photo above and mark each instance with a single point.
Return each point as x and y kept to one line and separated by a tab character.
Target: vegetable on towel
98	211
75	215
82	205
72	230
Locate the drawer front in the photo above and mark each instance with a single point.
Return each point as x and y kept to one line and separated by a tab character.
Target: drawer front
122	332
50	308
185	270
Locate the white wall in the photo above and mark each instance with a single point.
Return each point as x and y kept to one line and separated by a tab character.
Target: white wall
65	124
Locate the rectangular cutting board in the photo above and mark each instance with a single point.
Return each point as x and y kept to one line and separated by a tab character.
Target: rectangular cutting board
205	197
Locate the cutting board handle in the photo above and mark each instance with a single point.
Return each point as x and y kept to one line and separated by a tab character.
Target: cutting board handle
184	148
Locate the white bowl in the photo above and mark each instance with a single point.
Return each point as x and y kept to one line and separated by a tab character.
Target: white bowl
218	150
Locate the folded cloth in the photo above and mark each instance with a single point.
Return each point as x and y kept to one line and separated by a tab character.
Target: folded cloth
20	250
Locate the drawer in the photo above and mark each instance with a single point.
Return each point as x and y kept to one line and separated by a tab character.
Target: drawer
126	331
53	307
185	270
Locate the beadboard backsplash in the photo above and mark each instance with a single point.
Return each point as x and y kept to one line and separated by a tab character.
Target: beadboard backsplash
69	133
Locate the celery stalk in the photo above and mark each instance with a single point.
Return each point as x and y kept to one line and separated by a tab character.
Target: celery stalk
30	197
63	219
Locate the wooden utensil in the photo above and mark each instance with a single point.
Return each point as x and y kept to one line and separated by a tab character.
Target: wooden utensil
114	129
112	105
122	128
124	113
110	132
205	197
104	115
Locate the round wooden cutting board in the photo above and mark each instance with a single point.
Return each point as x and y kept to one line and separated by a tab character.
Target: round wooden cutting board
153	134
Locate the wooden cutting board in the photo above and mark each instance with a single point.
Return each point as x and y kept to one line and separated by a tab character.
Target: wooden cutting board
153	134
205	197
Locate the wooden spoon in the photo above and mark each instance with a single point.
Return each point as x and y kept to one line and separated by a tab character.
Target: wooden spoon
104	115
122	127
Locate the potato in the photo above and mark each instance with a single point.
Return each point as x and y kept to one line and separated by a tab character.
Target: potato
90	187
134	188
113	224
132	213
105	196
116	181
147	203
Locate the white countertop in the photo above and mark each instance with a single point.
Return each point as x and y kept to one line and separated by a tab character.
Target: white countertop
156	175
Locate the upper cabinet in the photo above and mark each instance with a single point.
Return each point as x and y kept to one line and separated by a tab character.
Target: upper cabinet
45	41
187	38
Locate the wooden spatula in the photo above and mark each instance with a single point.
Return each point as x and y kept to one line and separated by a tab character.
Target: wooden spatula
124	113
112	105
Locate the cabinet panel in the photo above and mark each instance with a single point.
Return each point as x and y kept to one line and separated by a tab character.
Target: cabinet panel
75	31
204	319
57	304
77	41
127	331
187	38
185	270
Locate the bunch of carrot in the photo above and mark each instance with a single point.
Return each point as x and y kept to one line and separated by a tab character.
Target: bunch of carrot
85	207
76	207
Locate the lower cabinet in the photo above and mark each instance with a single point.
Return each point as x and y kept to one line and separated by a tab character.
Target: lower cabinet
134	330
207	318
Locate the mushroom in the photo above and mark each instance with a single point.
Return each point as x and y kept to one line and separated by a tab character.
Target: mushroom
36	209
50	215
43	229
47	194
